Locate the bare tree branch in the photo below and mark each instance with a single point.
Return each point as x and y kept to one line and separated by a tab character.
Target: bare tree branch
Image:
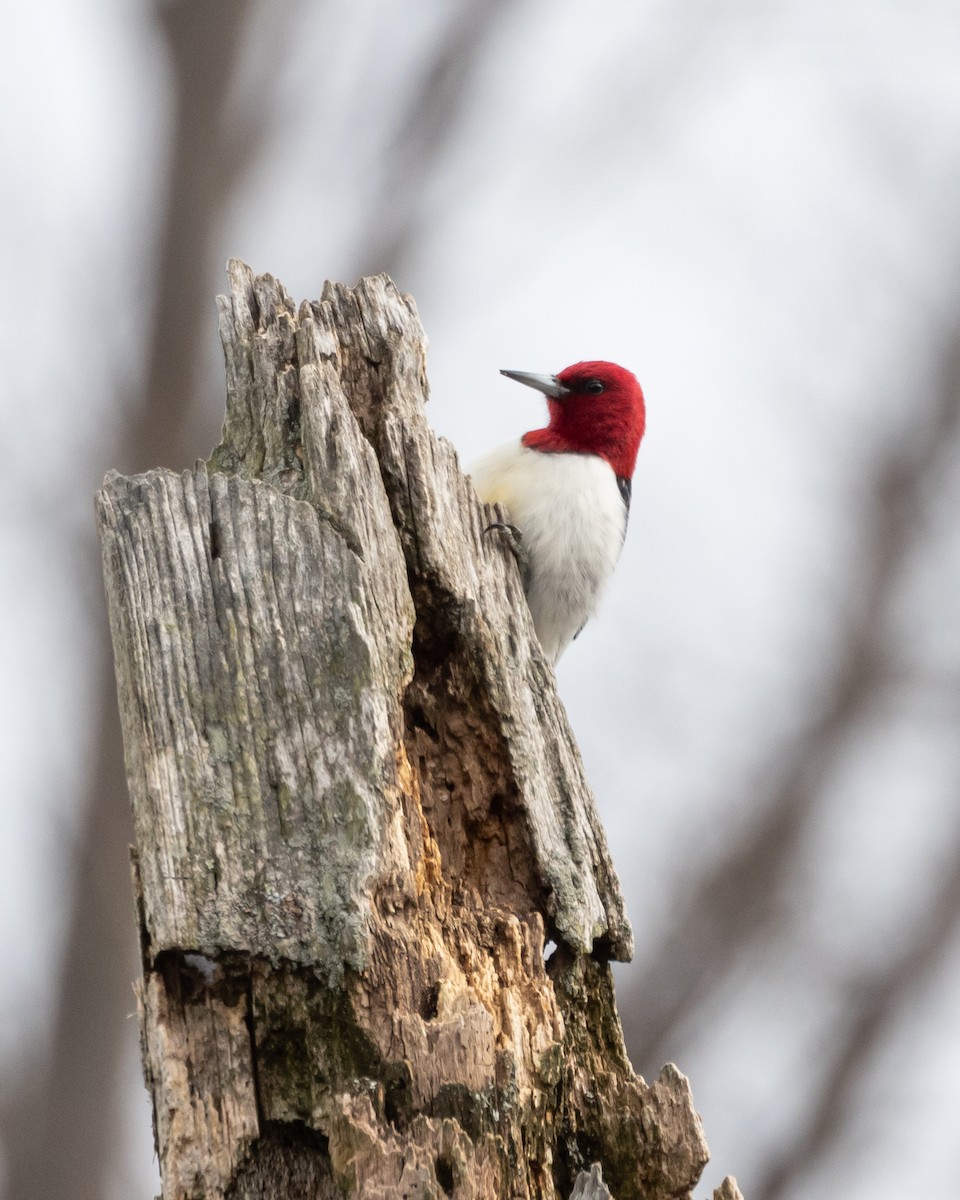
736	900
59	1122
433	114
876	1006
208	154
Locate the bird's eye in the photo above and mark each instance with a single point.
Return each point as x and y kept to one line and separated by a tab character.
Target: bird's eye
593	386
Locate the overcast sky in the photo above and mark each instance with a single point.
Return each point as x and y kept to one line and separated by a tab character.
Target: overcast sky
752	206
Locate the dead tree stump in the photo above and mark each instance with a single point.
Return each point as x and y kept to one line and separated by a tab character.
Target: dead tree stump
360	812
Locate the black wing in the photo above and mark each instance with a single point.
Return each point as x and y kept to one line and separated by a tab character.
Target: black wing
625	486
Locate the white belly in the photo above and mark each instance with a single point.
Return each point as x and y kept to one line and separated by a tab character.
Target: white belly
572	519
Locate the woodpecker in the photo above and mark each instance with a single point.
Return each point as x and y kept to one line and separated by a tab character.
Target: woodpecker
567	489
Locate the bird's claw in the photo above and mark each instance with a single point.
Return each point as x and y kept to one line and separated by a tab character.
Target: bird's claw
514	539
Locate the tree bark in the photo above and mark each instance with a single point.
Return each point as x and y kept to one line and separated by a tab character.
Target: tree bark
361	816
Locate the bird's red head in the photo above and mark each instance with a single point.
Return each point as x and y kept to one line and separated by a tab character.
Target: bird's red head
595	408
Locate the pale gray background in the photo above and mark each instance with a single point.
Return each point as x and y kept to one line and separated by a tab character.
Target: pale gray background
755	205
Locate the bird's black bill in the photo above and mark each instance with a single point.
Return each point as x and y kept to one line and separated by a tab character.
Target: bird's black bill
550	385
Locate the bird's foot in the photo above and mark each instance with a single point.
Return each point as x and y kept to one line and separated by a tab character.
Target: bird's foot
514	539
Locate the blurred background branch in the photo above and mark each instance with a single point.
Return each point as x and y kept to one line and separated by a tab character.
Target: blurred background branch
735	911
874	1006
751	206
59	1123
430	119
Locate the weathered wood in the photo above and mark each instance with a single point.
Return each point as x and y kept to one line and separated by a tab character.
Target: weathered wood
590	1186
360	811
728	1190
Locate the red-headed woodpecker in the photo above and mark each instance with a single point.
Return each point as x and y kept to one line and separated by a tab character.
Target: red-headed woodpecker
567	489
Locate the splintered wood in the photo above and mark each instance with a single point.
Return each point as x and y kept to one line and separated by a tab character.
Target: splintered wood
361	814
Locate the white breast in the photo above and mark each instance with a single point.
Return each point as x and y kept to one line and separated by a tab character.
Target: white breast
572	518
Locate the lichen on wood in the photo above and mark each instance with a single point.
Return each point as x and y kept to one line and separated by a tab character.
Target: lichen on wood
361	814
